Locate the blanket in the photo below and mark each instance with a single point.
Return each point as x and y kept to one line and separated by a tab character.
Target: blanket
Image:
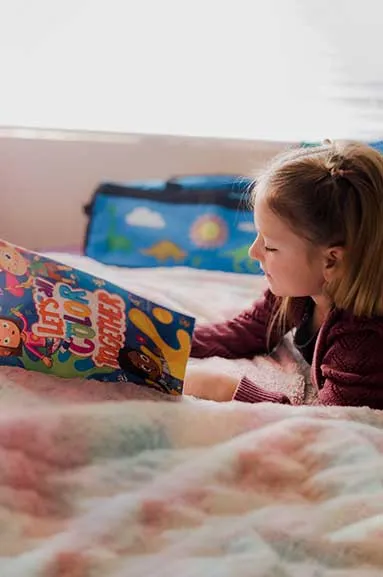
138	485
114	480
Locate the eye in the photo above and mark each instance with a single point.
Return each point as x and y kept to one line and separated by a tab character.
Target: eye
145	358
8	256
146	369
5	326
269	249
6	341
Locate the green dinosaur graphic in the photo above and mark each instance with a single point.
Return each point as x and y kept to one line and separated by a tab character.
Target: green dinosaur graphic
241	260
196	261
114	240
165	250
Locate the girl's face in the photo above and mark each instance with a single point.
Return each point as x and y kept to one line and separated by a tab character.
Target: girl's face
292	265
9	334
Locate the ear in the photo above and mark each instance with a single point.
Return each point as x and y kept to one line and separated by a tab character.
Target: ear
332	262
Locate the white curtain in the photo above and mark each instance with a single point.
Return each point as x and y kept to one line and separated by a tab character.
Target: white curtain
273	69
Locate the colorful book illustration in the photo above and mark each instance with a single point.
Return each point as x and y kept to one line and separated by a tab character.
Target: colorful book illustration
59	320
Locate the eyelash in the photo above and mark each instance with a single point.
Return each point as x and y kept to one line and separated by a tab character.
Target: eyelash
270	249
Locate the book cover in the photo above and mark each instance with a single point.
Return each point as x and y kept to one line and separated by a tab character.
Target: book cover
59	320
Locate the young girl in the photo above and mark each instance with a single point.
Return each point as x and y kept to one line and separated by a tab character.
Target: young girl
319	217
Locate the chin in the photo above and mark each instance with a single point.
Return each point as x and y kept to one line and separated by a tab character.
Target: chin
277	291
274	290
291	294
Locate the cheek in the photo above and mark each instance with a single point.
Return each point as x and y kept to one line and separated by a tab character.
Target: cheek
272	259
15	341
282	266
314	264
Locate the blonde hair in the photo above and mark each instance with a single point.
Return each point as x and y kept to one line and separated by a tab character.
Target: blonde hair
332	195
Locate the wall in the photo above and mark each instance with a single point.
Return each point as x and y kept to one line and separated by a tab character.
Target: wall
46	177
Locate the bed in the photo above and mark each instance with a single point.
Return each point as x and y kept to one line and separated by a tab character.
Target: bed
116	480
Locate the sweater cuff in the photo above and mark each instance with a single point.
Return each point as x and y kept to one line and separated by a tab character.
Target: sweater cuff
249	392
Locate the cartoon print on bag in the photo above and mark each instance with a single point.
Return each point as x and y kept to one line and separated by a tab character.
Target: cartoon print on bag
209	231
165	250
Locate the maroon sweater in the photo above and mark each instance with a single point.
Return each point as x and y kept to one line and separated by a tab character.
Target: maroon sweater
347	367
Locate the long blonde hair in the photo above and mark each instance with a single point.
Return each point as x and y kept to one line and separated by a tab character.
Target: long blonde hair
332	195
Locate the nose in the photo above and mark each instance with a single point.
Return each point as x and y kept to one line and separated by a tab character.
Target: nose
255	250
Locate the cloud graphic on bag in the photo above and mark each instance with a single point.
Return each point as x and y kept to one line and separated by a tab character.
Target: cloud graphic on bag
143	216
246	226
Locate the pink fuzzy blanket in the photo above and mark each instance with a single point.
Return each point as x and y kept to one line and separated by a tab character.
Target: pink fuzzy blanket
141	487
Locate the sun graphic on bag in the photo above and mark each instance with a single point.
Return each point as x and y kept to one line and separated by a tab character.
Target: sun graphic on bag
209	231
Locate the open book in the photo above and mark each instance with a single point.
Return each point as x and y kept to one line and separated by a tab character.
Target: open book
59	320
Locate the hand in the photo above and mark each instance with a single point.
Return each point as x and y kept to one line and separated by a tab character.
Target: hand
47	361
27	284
209	385
15	312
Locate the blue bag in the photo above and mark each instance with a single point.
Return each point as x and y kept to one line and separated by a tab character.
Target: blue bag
377	144
196	221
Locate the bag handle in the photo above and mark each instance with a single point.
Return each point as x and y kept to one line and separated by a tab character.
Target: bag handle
205	181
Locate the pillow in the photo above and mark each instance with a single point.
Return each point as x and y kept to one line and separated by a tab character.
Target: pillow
196	221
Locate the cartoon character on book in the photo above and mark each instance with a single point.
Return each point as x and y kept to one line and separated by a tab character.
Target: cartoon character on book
19	271
15	335
15	267
150	368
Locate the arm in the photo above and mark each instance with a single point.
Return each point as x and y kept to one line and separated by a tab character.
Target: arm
46	360
20	316
352	368
34	351
248	392
242	337
352	371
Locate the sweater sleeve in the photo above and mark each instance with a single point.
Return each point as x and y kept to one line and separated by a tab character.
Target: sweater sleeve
242	337
352	368
248	392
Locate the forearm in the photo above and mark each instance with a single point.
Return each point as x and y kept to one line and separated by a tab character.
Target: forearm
244	336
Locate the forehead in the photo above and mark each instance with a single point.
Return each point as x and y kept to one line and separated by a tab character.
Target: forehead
267	222
8	249
9	322
133	354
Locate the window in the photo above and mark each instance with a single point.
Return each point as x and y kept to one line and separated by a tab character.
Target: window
272	69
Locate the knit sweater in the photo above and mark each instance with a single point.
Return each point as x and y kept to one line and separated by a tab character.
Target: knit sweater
347	367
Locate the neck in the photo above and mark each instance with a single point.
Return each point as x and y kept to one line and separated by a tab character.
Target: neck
322	308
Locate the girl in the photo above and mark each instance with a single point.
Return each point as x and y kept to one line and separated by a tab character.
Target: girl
319	217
